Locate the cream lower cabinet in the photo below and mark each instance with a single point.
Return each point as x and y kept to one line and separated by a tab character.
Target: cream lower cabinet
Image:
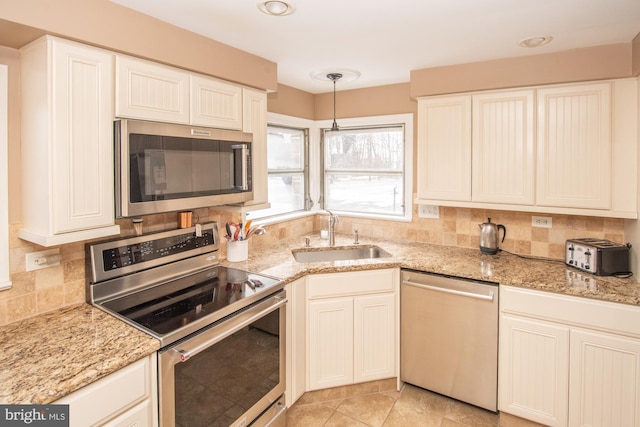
351	329
126	398
569	361
67	142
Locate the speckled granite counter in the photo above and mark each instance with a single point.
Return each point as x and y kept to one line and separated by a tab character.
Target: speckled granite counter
502	268
47	357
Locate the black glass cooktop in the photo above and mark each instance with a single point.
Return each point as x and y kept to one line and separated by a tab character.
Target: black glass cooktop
167	309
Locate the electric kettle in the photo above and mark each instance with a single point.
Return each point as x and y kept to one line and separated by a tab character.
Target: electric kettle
489	236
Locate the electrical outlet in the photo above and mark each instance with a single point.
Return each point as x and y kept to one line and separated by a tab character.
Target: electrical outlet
429	211
541	221
44	259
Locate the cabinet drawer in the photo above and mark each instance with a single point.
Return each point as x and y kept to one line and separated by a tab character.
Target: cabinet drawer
109	396
602	315
351	283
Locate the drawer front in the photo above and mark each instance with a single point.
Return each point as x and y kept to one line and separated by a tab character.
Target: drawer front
351	283
109	396
602	315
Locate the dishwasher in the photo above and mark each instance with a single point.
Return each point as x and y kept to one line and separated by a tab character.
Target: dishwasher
449	337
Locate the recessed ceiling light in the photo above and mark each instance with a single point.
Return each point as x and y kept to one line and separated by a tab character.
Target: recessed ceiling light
276	7
535	41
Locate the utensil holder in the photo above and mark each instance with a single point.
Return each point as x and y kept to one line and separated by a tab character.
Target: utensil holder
237	250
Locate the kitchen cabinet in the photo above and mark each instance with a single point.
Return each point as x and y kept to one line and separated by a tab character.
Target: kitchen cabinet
125	398
296	340
255	122
569	360
215	103
574	146
584	161
444	148
352	327
502	148
147	90
67	142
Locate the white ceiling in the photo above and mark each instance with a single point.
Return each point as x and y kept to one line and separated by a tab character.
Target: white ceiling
385	40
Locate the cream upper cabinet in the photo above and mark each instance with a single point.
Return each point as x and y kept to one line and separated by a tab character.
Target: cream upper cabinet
444	148
575	146
215	103
503	148
568	360
560	149
149	91
67	142
255	122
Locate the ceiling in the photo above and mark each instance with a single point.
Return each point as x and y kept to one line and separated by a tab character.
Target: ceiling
385	40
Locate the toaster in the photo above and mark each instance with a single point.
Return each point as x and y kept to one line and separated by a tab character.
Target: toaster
598	256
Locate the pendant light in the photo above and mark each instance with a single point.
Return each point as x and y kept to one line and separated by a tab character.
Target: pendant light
334	77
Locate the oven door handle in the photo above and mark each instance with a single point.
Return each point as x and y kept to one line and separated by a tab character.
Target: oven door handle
197	344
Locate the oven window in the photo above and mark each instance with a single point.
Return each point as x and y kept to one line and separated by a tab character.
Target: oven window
164	168
217	386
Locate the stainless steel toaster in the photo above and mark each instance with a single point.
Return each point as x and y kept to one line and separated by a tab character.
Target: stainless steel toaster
598	256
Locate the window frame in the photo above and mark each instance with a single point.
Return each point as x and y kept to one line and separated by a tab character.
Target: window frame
404	120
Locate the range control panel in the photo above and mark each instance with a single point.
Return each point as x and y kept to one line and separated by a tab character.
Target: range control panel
598	256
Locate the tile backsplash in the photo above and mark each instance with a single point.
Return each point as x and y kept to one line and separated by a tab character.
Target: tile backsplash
40	291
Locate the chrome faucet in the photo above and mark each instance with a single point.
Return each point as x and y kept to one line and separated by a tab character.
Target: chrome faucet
333	219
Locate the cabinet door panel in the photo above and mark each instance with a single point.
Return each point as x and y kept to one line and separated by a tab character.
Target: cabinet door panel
215	103
503	167
444	153
330	343
374	337
574	146
82	170
254	106
605	380
533	372
149	91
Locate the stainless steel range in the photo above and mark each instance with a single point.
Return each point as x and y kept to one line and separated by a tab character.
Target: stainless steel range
221	329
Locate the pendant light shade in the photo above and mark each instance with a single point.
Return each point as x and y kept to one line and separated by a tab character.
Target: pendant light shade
334	77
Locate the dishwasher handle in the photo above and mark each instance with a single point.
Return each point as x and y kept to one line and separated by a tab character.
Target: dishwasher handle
485	297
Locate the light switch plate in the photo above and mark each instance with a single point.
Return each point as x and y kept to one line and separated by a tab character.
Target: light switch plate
429	211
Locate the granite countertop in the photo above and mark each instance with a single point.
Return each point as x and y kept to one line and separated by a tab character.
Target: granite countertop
47	357
503	268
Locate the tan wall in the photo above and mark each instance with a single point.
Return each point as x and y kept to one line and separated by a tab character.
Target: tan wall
107	24
601	62
291	102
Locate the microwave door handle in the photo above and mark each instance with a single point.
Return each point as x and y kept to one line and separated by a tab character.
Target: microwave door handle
241	155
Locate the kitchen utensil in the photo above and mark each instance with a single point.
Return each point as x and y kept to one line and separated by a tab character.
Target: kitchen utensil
489	236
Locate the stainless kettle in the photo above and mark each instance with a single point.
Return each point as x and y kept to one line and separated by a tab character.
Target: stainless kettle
489	236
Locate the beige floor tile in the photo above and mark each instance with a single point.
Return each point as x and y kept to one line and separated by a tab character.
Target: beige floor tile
308	415
341	420
371	409
406	414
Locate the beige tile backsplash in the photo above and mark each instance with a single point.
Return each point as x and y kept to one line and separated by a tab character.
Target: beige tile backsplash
48	289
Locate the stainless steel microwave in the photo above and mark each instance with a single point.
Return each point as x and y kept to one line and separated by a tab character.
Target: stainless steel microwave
162	167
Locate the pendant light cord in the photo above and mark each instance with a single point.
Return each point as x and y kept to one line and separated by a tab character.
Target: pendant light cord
334	77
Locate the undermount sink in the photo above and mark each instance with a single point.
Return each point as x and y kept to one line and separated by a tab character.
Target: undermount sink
339	253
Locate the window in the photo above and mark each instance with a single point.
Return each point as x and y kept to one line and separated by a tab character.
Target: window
287	163
365	169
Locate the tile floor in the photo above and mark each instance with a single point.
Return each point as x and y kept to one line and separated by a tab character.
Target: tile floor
379	404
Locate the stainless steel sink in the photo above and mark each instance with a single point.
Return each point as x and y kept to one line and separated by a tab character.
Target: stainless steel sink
339	253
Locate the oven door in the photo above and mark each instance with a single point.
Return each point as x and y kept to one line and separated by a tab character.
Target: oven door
229	373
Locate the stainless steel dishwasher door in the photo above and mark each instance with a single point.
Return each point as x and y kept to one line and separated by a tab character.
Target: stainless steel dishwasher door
449	337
